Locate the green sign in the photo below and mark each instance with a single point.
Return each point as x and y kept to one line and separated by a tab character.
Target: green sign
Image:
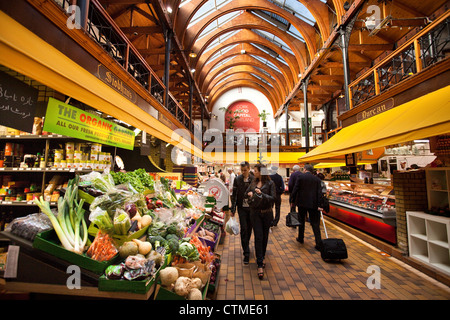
67	120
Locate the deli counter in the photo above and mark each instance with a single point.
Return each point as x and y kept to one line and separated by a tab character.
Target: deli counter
368	207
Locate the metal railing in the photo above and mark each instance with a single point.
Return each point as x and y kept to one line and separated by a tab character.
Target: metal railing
429	46
104	31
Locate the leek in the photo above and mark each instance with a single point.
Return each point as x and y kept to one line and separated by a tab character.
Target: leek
69	224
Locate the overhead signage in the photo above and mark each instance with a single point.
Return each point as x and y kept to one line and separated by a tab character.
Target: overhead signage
375	110
116	83
67	120
18	103
242	115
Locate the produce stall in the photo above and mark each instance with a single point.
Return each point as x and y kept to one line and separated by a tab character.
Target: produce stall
132	237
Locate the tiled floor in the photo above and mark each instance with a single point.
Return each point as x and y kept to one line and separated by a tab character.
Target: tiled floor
296	271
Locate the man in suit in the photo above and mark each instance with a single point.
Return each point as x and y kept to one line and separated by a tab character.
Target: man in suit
307	195
292	179
279	188
239	200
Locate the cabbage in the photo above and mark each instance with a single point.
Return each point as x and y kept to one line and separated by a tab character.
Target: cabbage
188	251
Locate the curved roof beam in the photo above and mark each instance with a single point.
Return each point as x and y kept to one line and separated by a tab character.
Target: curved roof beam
250	21
247	77
251	50
248	36
240	84
318	10
242	60
274	86
242	70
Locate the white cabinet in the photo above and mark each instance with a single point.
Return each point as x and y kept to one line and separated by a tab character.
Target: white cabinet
438	190
428	237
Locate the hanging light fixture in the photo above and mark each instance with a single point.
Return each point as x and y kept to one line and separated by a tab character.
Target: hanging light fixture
242	50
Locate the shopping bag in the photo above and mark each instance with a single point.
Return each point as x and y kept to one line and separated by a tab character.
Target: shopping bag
292	219
232	226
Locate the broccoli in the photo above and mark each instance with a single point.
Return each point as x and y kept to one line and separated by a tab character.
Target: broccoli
154	239
173	228
172	245
157	229
172	236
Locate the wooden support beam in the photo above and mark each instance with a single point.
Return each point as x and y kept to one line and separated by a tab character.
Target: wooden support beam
370	47
141	30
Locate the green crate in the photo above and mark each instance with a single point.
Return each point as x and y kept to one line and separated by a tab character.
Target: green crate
140	286
48	241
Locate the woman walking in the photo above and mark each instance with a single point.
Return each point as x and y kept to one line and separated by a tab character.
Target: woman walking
261	194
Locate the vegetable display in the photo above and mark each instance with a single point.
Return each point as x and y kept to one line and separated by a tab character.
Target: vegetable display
102	248
141	223
69	224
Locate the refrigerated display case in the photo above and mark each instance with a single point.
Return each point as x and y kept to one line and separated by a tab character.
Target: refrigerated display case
368	207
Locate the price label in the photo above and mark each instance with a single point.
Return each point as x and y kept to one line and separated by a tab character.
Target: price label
15	169
12	262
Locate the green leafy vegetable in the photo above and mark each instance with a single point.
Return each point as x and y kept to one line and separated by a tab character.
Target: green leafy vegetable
188	251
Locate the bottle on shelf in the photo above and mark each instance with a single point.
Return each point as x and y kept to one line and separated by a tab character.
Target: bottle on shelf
42	162
38	160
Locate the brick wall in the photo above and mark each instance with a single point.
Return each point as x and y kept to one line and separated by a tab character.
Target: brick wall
410	195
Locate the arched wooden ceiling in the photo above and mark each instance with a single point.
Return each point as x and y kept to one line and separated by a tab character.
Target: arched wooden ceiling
280	39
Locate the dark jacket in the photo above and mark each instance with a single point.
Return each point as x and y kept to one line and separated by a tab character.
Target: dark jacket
292	179
239	188
268	193
307	191
279	183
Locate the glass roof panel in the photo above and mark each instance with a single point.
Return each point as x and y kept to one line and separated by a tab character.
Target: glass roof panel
221	39
221	63
271	52
262	79
273	38
208	7
221	52
296	8
267	62
218	23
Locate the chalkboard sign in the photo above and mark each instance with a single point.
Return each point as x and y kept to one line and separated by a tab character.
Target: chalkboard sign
18	103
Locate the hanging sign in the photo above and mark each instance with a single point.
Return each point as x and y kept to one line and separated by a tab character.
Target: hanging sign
242	115
67	120
18	103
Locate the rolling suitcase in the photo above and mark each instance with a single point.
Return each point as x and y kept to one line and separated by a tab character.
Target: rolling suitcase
332	248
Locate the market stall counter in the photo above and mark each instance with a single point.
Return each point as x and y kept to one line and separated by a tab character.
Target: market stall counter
115	235
368	207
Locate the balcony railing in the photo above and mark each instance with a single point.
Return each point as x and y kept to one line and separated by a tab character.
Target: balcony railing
427	47
104	31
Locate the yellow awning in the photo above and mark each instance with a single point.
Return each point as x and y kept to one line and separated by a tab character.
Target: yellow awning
323	165
270	158
25	52
421	118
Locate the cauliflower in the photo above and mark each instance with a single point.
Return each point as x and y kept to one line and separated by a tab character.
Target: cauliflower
168	276
182	286
195	294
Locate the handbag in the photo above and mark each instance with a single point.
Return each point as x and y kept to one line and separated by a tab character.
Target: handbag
292	219
256	201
